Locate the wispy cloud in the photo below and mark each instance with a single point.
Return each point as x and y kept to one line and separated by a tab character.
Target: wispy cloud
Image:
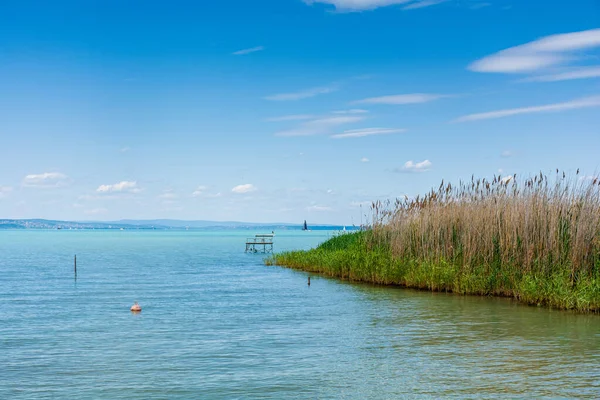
478	6
549	51
295	117
248	51
4	191
423	4
321	125
364	159
413	98
318	208
124	149
356	133
586	102
303	94
199	191
246	188
121	187
46	180
202	191
506	154
362	5
352	111
567	75
411	166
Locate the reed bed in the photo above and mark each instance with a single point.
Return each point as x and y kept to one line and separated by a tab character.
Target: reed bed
535	239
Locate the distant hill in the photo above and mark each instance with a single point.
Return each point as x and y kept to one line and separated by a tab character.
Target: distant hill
158	224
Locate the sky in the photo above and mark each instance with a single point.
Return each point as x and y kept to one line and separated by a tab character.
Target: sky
285	110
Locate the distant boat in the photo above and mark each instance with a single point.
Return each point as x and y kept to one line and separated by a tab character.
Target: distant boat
305	227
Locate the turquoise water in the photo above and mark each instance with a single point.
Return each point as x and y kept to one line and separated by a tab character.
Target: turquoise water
218	324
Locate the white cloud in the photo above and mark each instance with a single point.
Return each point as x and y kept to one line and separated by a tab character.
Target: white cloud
423	4
507	179
506	154
303	94
319	208
362	5
411	166
567	75
4	190
589	178
352	111
199	191
355	133
46	180
413	98
296	117
364	159
320	126
247	188
248	51
546	52
124	149
585	102
121	187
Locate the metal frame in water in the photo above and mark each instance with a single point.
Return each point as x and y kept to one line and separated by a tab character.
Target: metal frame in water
264	240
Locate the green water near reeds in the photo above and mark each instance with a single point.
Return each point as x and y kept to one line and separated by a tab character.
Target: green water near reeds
366	257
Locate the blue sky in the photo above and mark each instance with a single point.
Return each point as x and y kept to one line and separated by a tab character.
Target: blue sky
285	110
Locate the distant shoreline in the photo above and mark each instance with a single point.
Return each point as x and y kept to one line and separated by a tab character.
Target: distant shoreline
169	225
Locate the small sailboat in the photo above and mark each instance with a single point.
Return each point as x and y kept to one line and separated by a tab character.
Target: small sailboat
305	227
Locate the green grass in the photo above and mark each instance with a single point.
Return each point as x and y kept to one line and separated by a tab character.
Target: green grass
368	257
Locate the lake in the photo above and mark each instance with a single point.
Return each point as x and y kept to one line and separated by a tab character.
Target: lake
218	324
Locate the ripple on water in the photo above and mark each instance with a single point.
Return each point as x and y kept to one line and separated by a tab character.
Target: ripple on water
217	324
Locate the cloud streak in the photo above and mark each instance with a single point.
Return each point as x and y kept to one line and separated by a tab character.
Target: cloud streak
248	51
295	117
46	180
321	126
356	133
571	74
415	167
399	99
317	208
585	102
303	94
423	4
121	187
545	52
246	188
363	5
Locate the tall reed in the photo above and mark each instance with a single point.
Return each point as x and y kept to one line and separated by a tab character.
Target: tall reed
535	239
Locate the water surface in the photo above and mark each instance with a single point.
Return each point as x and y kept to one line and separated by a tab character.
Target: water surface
218	324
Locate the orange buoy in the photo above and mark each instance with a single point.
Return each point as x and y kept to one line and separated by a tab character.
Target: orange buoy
136	307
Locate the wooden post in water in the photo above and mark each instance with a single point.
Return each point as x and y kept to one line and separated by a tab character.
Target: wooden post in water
75	265
309	281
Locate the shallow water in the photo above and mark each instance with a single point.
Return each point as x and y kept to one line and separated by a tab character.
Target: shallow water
218	324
